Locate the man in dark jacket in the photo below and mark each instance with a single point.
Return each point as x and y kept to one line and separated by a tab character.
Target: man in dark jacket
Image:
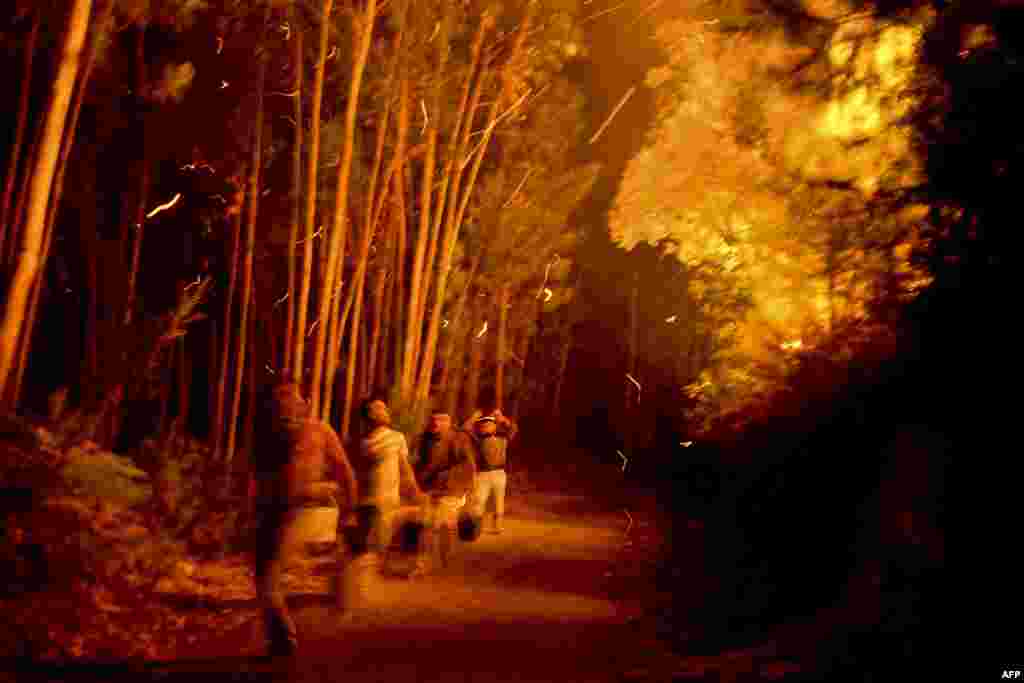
299	462
446	469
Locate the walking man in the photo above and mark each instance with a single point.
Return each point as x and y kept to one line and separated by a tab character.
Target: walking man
490	432
385	476
299	462
446	469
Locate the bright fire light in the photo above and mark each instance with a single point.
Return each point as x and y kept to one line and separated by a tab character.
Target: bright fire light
793	345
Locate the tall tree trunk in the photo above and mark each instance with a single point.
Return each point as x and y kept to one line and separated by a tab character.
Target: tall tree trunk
398	291
19	134
312	166
212	373
417	294
336	249
250	246
457	143
53	211
499	377
454	221
225	356
456	320
476	356
388	318
29	264
139	220
378	315
293	237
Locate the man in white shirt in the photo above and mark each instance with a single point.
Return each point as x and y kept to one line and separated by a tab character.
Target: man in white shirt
384	476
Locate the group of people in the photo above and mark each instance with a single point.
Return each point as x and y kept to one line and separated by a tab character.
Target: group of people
452	481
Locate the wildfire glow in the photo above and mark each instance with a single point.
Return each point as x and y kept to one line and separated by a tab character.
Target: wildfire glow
793	345
163	207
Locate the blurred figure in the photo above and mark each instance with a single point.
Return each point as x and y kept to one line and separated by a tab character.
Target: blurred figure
490	432
299	461
384	475
446	469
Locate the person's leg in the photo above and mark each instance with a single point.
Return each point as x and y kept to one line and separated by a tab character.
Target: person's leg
356	573
500	483
447	528
481	495
272	555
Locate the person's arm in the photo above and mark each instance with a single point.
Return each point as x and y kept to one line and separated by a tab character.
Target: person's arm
462	477
507	425
468	424
343	471
407	480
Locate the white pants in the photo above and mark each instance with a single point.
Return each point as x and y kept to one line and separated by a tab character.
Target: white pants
491	486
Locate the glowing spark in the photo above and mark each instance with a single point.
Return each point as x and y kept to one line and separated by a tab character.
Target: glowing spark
792	345
543	286
289	120
483	330
220	197
437	27
286	27
164	207
633	380
313	326
223	84
444	323
334	51
622	102
314	236
606	11
547	295
630	517
518	187
281	300
270	369
293	93
685	444
220	44
670	319
426	119
624	460
198	281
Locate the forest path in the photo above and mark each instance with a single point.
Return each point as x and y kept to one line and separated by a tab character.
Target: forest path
558	596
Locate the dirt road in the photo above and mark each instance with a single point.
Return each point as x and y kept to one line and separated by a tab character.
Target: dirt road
557	596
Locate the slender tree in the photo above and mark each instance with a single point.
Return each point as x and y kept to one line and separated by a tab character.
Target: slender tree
336	248
312	166
293	237
14	155
250	246
12	326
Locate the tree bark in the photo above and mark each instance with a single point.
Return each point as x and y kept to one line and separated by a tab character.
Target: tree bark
29	264
19	134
